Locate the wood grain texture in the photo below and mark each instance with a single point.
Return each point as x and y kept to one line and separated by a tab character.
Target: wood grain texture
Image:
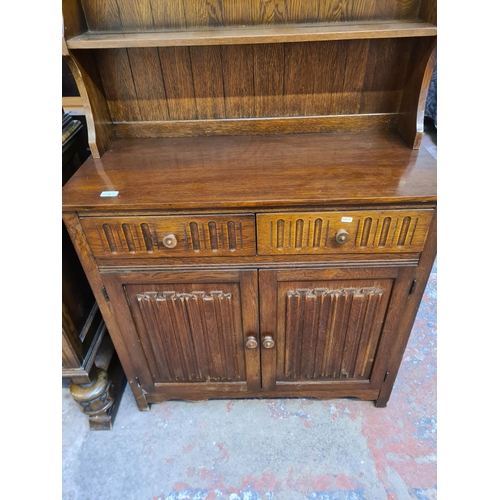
329	333
238	77
248	171
385	75
298	11
118	84
102	15
189	336
298	82
268	300
257	126
354	76
268	79
168	15
428	11
97	115
328	68
249	289
165	392
247	35
208	91
352	261
369	231
234	82
197	236
326	323
178	79
136	15
148	82
407	9
154	14
411	117
191	327
73	18
269	12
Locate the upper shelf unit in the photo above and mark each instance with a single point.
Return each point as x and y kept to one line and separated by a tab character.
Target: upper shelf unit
252	35
172	68
96	24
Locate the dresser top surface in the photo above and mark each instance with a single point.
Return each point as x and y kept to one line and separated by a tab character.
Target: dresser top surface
254	172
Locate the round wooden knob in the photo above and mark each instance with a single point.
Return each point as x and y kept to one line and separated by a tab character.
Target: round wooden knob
251	342
342	236
268	342
170	241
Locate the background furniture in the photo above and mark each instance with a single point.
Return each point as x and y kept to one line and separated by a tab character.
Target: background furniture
257	219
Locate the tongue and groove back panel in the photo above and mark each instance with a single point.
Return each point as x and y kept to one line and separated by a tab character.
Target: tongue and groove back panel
365	81
265	80
143	15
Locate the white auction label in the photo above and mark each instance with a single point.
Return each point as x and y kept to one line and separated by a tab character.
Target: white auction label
346	219
106	194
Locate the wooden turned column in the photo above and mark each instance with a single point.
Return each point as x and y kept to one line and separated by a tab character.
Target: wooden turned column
98	397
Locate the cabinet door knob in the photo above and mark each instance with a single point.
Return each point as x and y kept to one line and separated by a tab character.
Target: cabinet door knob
170	241
268	342
342	236
251	342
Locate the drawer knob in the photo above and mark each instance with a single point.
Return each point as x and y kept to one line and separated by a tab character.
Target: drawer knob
170	241
268	342
251	342
342	236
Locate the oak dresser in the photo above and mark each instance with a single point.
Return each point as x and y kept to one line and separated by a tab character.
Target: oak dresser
257	218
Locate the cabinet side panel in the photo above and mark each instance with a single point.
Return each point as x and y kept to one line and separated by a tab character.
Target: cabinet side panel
99	126
408	292
74	18
94	278
411	115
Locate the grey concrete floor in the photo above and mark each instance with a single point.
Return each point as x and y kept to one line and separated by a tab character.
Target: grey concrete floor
287	449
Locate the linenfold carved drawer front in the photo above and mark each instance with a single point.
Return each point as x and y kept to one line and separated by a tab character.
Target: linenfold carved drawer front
171	236
309	233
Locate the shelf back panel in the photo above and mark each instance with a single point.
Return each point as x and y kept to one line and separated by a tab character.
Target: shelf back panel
153	15
358	77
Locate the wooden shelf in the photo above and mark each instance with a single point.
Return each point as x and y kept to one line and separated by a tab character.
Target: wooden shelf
249	171
253	35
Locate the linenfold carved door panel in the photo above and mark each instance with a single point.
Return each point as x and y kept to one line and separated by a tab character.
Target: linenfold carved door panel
192	328
326	326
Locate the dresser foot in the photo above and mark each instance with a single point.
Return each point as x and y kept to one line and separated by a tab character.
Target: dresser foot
100	398
140	397
381	402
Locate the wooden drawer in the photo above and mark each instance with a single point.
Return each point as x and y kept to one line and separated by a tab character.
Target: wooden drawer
198	235
308	233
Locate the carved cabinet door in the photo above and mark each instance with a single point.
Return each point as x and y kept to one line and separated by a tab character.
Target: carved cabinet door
187	331
327	329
